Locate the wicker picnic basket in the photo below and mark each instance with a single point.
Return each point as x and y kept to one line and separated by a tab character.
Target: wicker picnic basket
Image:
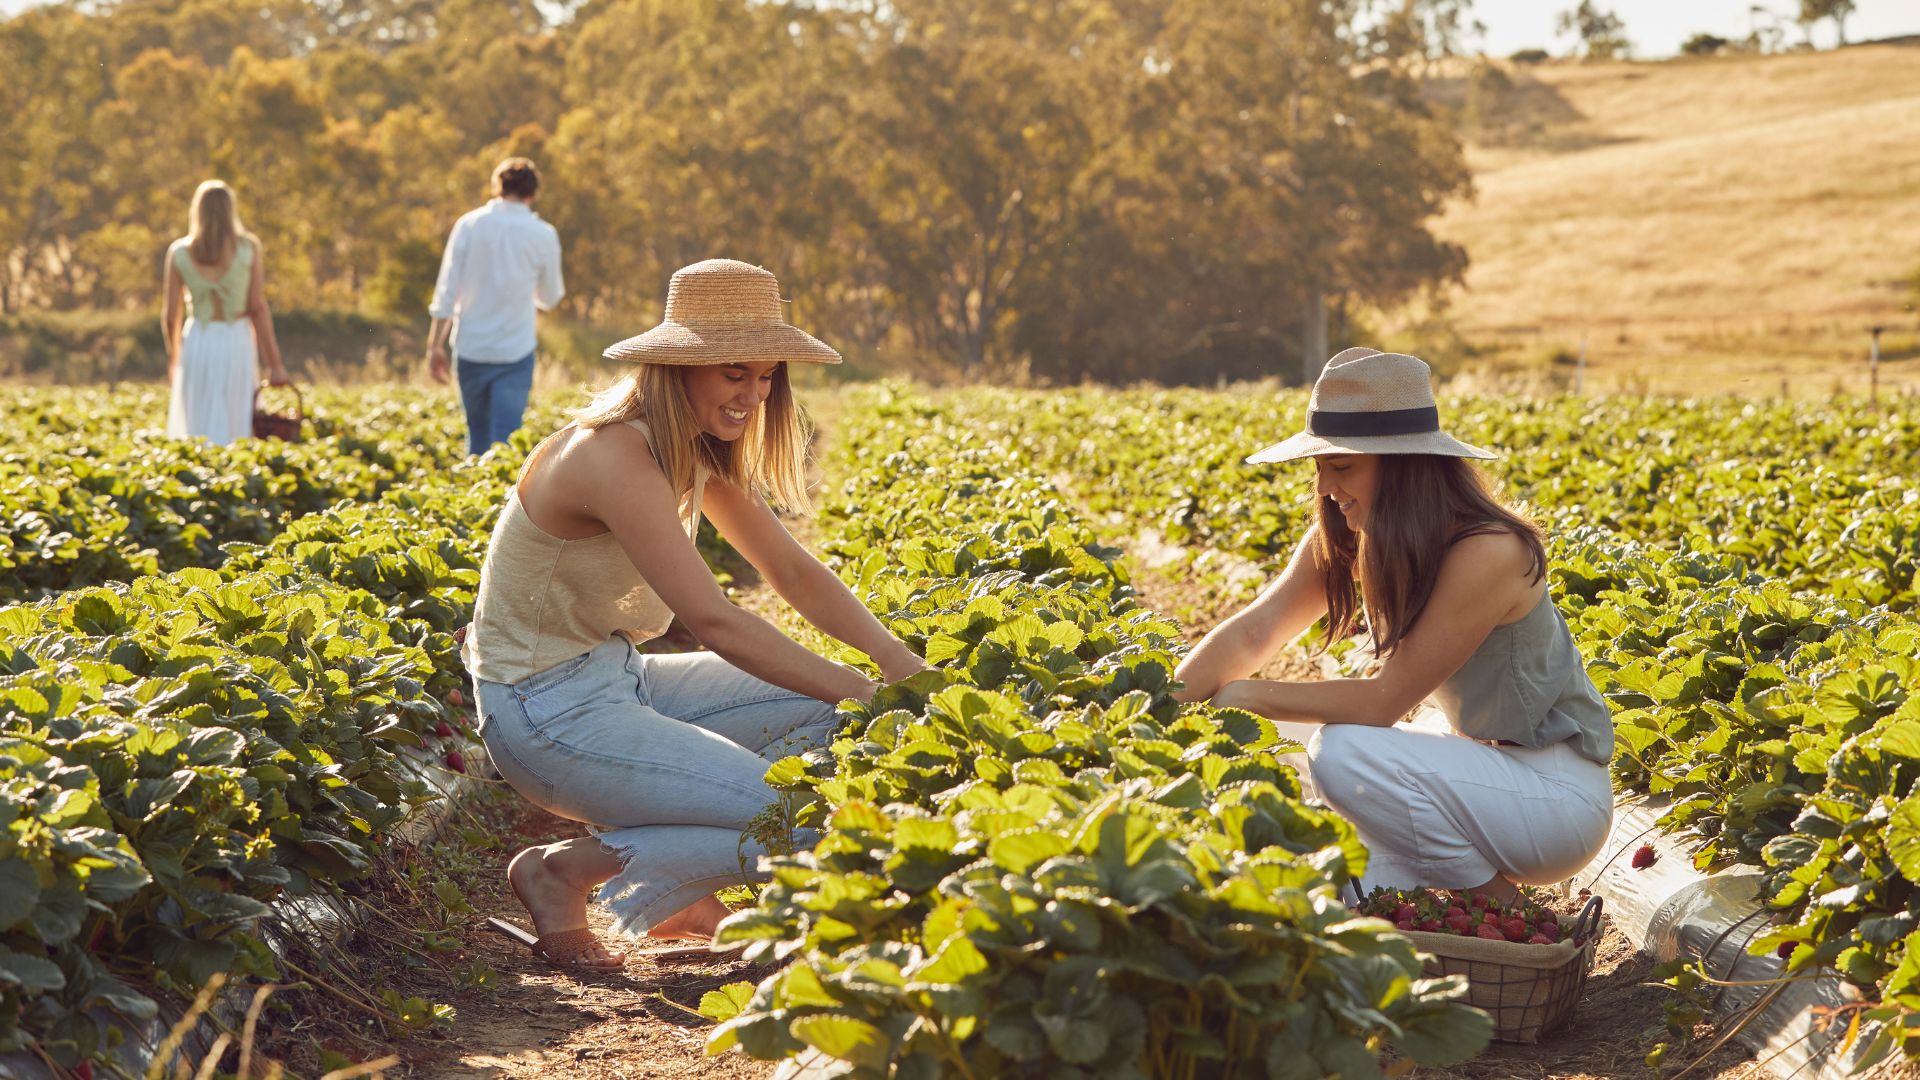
1529	990
268	424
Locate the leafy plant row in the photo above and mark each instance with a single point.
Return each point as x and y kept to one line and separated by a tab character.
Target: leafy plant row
1035	862
179	751
1817	497
1753	628
115	502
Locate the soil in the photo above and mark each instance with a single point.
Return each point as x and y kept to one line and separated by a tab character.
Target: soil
538	1022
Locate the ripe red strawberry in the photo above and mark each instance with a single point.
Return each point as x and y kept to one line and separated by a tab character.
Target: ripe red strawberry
1460	923
1644	856
83	1071
1405	912
1404	925
1490	932
456	762
1548	928
456	699
1432	926
443	729
1455	909
1515	929
1540	939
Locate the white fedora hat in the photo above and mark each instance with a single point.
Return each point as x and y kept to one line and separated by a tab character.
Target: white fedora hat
1370	402
722	311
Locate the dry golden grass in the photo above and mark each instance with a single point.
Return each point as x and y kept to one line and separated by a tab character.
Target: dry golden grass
1704	224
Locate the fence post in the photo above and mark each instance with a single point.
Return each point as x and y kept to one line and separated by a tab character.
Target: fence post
1873	368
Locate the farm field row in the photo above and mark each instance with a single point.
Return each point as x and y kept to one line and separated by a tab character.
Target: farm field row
1034	860
1739	578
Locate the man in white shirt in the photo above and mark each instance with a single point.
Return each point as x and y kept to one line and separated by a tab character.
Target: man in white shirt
501	264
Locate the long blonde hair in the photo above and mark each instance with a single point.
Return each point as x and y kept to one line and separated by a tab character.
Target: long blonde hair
213	224
770	459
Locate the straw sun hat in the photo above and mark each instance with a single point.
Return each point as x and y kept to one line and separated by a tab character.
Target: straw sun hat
1370	402
722	311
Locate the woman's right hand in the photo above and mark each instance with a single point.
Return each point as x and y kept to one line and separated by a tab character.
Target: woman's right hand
905	668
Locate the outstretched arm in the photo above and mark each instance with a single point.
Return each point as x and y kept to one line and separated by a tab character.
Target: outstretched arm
1238	647
641	511
801	580
1481	581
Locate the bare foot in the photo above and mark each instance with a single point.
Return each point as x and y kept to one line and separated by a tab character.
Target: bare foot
695	922
544	880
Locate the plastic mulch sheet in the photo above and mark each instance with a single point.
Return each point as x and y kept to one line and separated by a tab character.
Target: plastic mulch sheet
1670	909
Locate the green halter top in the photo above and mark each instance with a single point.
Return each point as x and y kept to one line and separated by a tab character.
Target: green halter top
216	299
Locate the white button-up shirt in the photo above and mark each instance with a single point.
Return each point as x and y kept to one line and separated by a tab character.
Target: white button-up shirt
501	263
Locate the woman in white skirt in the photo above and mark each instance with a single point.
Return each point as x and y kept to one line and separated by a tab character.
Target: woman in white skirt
214	282
663	754
1451	585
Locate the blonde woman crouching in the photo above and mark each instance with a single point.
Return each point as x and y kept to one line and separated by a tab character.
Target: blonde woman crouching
1452	586
663	754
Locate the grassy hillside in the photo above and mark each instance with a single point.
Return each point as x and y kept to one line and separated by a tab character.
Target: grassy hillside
1706	224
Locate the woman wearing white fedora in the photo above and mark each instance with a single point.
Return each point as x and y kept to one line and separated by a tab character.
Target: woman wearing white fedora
1451	584
663	754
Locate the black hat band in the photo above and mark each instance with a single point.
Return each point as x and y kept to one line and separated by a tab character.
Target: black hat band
1389	422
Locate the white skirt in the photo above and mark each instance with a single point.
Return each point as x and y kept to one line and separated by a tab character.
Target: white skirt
219	371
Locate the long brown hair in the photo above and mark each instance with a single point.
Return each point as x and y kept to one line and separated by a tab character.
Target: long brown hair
213	224
1421	506
769	459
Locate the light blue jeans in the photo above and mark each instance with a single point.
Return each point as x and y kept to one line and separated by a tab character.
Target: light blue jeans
494	397
663	754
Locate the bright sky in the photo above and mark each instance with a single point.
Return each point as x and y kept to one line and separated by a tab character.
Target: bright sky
1655	27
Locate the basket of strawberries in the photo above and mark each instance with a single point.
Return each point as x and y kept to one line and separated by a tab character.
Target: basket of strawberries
1525	963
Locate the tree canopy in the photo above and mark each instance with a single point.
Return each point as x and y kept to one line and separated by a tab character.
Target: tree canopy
1094	188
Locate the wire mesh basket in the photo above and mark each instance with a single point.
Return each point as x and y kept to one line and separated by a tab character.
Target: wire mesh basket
1529	990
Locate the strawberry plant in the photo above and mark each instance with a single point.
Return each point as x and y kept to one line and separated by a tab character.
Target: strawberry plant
1035	862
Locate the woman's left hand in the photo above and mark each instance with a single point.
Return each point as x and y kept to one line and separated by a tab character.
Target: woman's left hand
277	376
904	668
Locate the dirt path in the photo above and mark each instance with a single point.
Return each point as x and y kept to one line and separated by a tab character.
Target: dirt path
539	1023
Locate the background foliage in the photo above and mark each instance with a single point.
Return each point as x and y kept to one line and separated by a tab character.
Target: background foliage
1097	188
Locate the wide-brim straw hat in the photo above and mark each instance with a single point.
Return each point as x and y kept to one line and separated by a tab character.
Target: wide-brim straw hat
722	311
1370	402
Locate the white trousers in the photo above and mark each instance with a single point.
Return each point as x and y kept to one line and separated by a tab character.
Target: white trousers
1439	810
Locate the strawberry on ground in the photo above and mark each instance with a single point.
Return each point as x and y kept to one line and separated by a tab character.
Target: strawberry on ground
1644	856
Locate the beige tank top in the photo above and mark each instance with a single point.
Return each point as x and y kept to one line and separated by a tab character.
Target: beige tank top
544	600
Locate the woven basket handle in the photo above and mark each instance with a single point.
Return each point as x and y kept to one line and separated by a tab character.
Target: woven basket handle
299	400
1588	921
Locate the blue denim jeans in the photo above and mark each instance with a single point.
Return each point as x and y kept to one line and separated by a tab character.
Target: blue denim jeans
494	397
663	754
